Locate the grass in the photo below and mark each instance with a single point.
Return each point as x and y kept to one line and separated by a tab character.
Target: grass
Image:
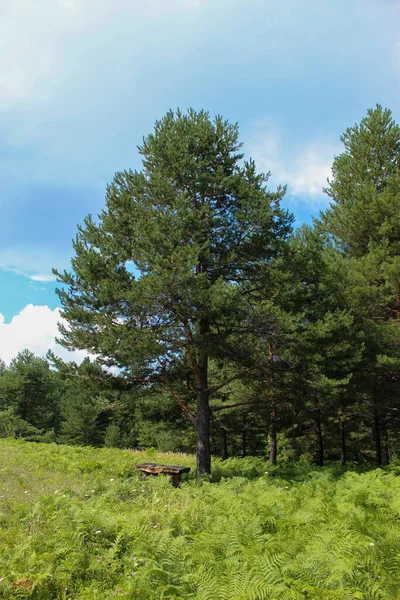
80	523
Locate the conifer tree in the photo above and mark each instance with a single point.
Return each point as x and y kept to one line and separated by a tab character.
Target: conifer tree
364	221
365	184
29	387
325	346
364	215
163	282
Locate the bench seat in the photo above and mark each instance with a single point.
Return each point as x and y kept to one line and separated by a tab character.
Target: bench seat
154	469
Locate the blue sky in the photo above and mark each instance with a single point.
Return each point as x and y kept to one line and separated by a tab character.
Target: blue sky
82	81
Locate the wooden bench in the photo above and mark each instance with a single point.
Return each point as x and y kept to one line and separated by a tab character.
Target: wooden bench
154	469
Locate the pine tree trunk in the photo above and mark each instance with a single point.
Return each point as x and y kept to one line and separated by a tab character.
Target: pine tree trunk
203	452
377	436
273	445
343	455
386	448
319	444
244	442
224	455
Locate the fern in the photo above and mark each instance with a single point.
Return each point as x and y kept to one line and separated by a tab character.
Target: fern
79	523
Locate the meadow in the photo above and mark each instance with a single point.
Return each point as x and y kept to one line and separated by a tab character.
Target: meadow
80	523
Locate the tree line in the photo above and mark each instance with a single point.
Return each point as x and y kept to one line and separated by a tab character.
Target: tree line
217	325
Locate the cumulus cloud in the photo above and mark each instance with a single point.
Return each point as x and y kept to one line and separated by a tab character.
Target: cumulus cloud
304	168
309	172
34	328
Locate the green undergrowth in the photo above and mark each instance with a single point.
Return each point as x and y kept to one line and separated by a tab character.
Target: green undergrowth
80	523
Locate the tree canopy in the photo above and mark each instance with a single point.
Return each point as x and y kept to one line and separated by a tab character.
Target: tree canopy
163	283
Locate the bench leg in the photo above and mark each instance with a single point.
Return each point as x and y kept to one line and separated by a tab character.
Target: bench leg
145	475
176	479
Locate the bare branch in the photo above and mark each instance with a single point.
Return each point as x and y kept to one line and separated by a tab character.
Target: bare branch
179	400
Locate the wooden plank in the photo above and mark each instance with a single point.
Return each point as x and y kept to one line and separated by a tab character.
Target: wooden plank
154	468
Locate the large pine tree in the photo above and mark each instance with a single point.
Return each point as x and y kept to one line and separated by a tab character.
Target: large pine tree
364	221
161	285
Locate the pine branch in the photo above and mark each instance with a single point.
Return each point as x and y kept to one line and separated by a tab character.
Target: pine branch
233	378
250	402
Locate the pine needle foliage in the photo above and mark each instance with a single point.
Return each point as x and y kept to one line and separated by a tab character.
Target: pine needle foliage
80	523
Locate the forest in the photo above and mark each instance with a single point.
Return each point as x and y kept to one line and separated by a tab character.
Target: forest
214	323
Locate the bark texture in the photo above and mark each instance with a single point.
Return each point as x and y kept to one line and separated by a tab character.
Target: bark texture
343	455
203	452
319	442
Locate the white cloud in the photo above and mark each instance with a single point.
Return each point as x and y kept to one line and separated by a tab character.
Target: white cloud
35	328
309	172
304	169
34	263
38	39
43	277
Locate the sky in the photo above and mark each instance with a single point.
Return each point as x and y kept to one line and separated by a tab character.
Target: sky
82	81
